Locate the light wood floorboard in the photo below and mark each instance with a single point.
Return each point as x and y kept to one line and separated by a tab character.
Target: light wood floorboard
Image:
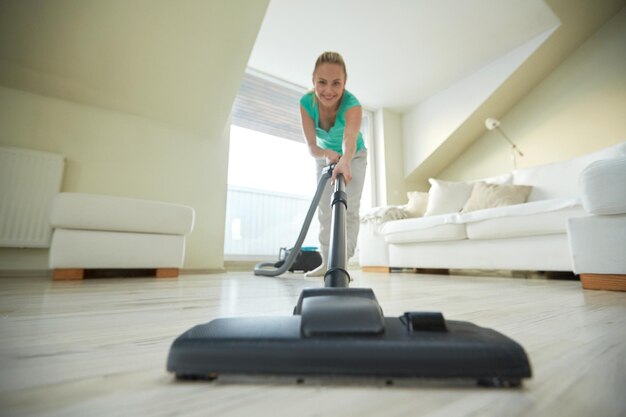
98	347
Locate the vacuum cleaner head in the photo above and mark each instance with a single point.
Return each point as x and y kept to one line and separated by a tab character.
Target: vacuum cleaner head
342	332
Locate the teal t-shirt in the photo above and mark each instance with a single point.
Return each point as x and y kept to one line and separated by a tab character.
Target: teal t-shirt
333	138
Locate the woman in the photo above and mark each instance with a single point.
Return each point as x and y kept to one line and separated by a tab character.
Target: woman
331	120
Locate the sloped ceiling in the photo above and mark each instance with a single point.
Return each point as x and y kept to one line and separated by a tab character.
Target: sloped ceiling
177	62
398	52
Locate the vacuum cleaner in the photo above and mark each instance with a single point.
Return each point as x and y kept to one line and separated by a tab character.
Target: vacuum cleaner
337	331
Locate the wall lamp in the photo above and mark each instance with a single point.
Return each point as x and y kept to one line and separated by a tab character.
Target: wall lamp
492	124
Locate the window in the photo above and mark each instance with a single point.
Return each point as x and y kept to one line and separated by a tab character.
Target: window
271	176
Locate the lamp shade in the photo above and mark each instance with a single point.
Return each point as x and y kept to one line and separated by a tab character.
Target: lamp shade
492	123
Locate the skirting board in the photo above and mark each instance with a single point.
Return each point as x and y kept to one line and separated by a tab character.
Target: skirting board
31	273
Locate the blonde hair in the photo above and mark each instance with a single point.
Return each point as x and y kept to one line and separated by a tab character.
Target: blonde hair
331	58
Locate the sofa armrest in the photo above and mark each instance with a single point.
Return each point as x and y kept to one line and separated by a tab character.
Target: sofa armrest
603	187
598	241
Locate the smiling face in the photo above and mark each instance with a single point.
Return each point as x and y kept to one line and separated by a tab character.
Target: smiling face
329	82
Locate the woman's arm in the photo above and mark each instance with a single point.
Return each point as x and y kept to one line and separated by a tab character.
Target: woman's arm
308	128
350	135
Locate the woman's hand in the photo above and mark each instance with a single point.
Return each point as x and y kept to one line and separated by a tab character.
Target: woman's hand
343	168
331	156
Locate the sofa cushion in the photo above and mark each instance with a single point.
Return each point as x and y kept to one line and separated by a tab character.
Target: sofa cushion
544	223
495	195
603	187
446	196
560	179
526	209
418	202
102	212
424	229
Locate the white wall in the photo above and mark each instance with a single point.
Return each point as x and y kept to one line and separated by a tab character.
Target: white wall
391	187
137	95
580	107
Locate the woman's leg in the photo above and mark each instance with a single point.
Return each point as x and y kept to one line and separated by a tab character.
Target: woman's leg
324	215
354	190
324	212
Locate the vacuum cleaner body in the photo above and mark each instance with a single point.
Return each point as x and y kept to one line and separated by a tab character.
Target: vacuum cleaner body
307	259
341	331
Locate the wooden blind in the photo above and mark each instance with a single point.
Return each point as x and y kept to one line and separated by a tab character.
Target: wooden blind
268	107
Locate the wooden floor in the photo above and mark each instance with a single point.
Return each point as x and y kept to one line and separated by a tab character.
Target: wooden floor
98	347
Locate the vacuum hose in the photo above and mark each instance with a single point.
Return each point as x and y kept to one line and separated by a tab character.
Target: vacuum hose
268	269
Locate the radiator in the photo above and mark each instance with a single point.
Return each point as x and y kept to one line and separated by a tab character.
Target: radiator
29	180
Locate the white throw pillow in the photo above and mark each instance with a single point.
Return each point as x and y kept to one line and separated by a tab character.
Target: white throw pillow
495	195
447	196
418	202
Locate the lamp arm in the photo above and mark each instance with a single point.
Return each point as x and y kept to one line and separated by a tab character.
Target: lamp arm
510	141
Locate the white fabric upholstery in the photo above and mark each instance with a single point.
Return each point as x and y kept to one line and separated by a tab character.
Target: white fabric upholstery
598	244
560	179
429	234
548	223
372	246
603	187
539	253
598	240
100	249
536	207
418	223
102	212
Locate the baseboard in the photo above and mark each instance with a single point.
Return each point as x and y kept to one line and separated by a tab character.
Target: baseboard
26	273
241	265
47	273
209	271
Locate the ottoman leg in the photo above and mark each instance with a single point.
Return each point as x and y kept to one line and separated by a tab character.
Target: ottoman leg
167	273
68	274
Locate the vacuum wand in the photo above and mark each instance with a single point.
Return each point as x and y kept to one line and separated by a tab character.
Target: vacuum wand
337	275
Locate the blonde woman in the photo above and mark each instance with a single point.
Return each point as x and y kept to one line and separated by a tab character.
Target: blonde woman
331	122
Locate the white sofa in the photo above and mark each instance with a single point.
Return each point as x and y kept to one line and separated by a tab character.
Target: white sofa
529	236
598	240
96	232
